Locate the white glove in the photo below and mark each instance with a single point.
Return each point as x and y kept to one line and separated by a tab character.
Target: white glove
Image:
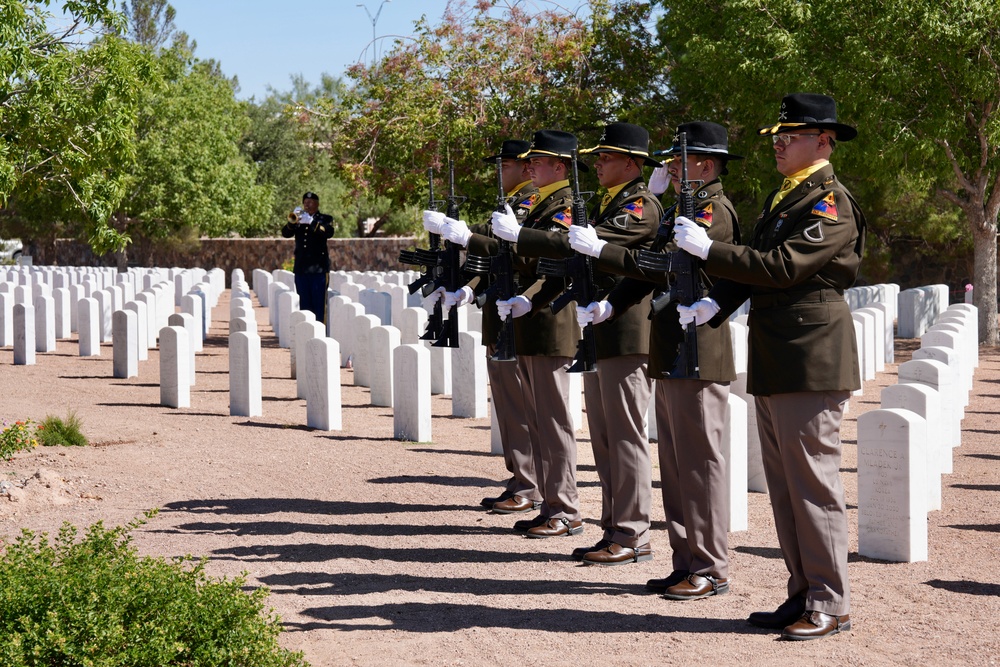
516	307
584	240
304	218
659	180
595	313
431	299
691	238
463	296
456	231
505	225
699	312
433	221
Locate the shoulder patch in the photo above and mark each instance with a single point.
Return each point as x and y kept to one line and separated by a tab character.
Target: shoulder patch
704	215
564	217
826	208
814	233
530	201
635	208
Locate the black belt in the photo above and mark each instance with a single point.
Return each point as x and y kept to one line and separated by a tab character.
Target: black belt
779	299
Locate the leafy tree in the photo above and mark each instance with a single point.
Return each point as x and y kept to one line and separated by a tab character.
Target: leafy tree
151	22
190	178
925	107
68	115
484	74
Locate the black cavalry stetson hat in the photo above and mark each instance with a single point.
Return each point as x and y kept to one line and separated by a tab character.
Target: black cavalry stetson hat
627	139
703	138
553	143
805	110
510	149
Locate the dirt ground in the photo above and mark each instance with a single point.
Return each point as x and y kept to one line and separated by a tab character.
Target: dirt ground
377	551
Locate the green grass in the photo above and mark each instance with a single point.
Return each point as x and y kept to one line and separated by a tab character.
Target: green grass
56	432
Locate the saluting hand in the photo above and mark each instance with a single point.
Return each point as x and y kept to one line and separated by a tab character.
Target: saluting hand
691	237
584	240
505	225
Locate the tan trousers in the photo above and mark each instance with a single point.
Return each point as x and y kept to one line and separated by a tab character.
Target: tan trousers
508	404
545	386
617	397
690	419
800	445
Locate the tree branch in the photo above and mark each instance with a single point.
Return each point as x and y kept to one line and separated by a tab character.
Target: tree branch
963	181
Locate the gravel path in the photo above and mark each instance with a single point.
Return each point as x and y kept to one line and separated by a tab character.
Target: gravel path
377	552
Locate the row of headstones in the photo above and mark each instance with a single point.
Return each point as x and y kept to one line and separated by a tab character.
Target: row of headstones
907	445
370	345
86	301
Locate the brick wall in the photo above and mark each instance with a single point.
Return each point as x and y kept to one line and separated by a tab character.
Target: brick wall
364	254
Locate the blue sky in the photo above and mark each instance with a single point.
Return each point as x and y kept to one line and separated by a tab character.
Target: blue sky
265	42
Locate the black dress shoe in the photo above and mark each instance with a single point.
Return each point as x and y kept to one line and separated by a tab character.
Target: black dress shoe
816	625
526	524
661	585
488	503
580	552
787	613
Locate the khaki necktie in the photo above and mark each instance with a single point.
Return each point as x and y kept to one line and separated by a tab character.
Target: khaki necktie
786	186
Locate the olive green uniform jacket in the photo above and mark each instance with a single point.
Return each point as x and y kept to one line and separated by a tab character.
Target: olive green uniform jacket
629	221
801	258
484	244
715	348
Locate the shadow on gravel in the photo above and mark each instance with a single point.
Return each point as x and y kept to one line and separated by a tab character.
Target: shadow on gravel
434	479
981	527
291	528
466	452
299	505
324	553
350	583
763	552
976	487
988	457
420	617
967	587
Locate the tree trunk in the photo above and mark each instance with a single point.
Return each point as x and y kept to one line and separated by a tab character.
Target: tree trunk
984	293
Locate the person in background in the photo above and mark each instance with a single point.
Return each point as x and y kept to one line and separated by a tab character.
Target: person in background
311	230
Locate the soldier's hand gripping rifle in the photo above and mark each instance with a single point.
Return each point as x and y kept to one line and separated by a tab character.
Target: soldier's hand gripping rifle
451	265
580	270
502	281
683	276
432	260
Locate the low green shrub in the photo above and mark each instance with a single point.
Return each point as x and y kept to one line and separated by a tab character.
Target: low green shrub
96	602
54	431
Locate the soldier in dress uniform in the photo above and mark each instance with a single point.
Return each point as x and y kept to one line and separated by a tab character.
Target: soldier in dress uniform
546	342
805	251
521	491
617	394
311	229
690	413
